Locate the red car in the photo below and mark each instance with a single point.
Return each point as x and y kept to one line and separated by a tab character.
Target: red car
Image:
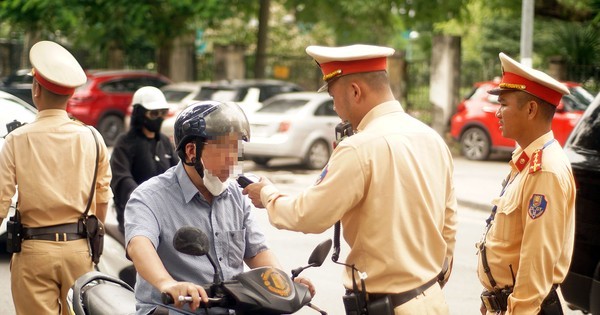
476	127
103	101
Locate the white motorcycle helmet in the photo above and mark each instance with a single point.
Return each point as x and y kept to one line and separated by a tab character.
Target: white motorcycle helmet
150	98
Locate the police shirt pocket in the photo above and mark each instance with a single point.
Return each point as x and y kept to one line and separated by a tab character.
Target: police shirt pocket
506	223
236	241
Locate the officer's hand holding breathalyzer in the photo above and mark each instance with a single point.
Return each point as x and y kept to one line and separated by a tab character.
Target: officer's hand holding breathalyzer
253	191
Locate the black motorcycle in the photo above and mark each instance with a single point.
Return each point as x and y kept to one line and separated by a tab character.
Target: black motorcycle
263	290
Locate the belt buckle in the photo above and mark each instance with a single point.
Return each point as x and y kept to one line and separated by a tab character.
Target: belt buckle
57	237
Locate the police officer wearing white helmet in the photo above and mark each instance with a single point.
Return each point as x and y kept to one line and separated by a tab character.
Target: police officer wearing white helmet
143	152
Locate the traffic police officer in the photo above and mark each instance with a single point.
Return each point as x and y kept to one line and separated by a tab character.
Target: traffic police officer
528	242
52	160
390	184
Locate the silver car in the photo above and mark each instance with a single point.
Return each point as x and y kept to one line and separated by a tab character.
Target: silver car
293	125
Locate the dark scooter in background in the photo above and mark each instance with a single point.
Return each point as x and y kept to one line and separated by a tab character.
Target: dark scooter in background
263	290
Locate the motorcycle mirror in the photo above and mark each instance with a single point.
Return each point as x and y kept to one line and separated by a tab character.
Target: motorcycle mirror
192	241
317	257
320	253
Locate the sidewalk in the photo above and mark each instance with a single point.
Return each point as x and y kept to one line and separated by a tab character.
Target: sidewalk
477	183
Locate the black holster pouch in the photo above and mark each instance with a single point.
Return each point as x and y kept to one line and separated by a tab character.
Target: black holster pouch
94	229
14	232
497	300
382	306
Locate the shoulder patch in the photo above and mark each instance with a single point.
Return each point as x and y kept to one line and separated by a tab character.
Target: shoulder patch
322	176
536	161
537	206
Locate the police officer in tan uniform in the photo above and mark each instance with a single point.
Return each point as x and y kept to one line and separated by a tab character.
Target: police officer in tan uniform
528	242
390	184
52	160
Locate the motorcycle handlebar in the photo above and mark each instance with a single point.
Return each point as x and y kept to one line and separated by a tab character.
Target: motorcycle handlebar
168	299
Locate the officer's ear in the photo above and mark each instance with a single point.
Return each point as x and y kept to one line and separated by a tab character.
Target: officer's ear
532	109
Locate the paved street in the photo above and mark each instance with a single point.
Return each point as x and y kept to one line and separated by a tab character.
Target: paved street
476	184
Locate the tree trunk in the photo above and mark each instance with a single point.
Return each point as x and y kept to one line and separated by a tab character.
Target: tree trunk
163	58
261	44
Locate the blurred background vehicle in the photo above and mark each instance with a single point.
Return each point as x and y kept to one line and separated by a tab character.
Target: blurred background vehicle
249	94
180	95
299	125
104	100
581	288
12	108
18	84
476	127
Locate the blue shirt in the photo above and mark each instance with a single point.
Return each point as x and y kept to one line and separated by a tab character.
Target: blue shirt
165	203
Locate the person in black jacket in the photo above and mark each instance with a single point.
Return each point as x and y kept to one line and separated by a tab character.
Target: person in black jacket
143	152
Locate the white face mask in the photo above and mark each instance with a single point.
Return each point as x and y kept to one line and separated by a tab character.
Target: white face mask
214	184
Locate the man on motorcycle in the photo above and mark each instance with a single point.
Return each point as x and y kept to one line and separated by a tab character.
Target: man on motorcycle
196	192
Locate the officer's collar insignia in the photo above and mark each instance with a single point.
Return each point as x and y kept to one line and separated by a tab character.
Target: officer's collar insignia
522	161
537	206
322	176
536	161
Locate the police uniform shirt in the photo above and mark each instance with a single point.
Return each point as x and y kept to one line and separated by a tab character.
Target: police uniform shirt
391	186
46	160
533	229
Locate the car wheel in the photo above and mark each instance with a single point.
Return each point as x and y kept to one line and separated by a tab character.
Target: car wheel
317	155
475	144
262	161
110	127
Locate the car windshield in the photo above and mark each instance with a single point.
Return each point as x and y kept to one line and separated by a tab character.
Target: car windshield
586	135
11	111
175	95
579	99
221	94
283	106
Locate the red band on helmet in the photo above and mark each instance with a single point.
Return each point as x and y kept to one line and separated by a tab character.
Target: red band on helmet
541	91
52	87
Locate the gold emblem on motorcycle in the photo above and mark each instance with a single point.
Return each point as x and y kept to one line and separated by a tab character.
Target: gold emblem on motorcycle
276	282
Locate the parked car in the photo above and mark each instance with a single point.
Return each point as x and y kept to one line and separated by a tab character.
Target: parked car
298	125
19	85
104	100
249	94
476	127
581	288
12	108
180	95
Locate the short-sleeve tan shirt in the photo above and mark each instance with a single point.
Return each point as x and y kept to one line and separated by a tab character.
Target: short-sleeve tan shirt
391	186
52	162
533	229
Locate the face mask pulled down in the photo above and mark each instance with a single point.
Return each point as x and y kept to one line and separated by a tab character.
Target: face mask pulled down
214	185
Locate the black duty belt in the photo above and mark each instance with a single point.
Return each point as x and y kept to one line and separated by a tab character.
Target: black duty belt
56	233
401	298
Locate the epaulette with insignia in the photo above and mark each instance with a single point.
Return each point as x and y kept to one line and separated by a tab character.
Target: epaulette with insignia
536	161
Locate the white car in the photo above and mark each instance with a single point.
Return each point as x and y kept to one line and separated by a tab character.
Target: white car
180	95
13	109
249	94
293	125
